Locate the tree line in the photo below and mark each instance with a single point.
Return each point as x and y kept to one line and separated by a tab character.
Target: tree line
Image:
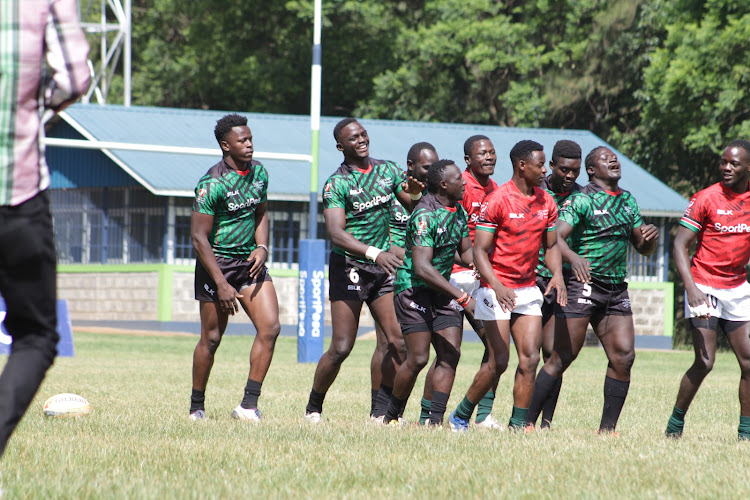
665	81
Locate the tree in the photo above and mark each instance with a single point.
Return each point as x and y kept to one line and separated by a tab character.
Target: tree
696	94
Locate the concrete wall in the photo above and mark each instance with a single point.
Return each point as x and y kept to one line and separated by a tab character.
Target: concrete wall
134	296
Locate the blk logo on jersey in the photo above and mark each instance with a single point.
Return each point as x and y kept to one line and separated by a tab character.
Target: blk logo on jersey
601	212
416	306
719	211
516	216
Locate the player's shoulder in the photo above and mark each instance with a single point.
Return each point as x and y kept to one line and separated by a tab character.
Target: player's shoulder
215	172
387	165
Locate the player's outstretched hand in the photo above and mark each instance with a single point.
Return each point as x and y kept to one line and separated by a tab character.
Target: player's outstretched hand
412	185
557	283
228	296
506	297
388	261
649	232
581	269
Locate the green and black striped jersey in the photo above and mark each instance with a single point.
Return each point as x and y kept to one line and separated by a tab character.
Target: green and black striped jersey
232	196
432	224
602	222
397	223
560	199
366	197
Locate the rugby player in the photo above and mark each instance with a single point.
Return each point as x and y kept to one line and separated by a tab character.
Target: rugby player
420	156
600	222
427	305
229	229
565	166
356	207
516	220
480	158
716	288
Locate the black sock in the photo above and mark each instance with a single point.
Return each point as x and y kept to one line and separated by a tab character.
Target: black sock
395	408
197	398
382	400
252	393
548	411
437	410
615	392
373	401
315	403
543	387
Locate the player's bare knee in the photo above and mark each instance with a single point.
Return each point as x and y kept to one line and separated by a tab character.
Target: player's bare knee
703	365
338	353
211	343
418	360
528	362
565	359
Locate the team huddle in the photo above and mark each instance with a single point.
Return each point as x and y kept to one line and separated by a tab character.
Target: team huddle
537	259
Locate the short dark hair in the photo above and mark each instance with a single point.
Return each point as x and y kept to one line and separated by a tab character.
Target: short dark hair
740	143
226	123
340	125
566	149
470	142
523	149
436	173
413	154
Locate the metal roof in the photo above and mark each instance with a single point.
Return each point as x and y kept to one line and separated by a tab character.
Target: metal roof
176	174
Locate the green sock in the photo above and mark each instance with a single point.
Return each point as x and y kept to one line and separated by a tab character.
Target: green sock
518	418
676	423
484	407
744	429
465	408
424	414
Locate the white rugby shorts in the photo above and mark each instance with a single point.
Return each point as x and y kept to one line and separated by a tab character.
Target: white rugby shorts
466	281
528	302
732	304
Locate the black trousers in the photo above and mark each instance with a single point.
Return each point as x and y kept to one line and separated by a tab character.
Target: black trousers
28	283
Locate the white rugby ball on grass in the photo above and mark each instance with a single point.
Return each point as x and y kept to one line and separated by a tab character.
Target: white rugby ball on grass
66	405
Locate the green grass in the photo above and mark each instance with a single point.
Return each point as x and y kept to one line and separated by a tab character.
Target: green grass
138	442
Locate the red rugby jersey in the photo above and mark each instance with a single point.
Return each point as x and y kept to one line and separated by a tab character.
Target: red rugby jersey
472	202
519	223
721	218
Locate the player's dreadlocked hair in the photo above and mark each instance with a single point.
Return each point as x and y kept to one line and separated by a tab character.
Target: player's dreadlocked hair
523	149
413	154
566	149
226	123
340	125
436	173
470	142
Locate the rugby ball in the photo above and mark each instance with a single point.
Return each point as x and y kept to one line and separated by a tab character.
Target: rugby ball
66	405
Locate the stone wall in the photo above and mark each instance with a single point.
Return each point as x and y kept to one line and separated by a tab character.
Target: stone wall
110	296
134	296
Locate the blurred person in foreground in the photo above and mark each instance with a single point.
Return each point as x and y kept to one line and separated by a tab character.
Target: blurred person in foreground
43	69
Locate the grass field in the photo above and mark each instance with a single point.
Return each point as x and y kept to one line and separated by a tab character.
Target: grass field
138	442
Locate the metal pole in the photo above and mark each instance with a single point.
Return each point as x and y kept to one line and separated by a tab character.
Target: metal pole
315	120
128	43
